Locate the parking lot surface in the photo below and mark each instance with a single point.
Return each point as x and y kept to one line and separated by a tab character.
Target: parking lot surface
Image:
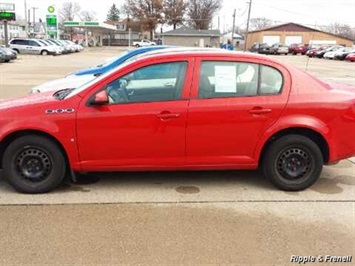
221	217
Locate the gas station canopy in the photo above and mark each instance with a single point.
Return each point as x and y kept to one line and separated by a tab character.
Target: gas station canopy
97	27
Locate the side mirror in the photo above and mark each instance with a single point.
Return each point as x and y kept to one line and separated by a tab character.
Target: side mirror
100	98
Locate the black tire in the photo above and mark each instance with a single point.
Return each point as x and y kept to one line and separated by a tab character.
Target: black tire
137	45
44	52
293	163
17	51
34	164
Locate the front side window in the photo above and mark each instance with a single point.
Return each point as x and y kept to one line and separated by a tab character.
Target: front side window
33	43
220	79
155	83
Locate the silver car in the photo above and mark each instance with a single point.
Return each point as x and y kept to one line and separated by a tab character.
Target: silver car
32	46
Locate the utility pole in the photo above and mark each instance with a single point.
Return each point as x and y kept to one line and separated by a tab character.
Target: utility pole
233	27
26	19
34	15
247	31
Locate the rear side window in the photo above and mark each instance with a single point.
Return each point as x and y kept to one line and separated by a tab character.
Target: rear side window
231	79
270	80
20	42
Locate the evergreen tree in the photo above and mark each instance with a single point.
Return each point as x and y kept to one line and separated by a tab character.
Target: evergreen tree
113	14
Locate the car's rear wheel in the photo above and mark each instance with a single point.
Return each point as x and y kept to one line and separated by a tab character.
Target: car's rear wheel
34	164
16	50
293	163
137	46
44	52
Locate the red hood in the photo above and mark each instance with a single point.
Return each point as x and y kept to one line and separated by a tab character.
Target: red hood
31	99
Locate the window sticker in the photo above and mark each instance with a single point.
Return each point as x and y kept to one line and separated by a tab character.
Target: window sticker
226	80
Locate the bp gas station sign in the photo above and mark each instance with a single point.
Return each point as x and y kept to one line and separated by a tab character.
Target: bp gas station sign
51	22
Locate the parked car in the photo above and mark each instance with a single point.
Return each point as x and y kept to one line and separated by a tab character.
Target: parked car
45	42
342	55
75	47
274	116
297	48
115	61
2	57
143	43
321	53
350	57
9	54
32	46
278	48
313	49
332	54
261	48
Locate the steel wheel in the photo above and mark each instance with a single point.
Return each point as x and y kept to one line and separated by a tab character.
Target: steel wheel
294	163
33	164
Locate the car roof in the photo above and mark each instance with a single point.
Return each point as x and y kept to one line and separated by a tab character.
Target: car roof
208	52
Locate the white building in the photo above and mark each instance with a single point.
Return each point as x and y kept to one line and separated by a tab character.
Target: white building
15	29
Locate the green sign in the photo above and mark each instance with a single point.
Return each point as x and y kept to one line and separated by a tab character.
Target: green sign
52	26
51	21
51	9
7	16
81	24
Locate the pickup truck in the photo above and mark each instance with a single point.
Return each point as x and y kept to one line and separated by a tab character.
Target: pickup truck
143	43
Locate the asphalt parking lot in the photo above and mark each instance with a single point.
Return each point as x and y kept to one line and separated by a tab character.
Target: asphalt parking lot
221	217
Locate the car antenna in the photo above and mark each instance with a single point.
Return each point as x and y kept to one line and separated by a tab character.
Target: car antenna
311	40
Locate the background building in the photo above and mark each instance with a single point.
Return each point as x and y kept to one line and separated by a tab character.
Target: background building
290	33
185	36
16	29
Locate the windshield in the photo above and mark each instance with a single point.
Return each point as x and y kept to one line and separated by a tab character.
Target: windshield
42	42
98	79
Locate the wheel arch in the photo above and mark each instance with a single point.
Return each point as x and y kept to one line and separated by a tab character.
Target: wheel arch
17	134
315	136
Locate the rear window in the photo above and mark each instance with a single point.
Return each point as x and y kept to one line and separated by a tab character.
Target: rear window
238	79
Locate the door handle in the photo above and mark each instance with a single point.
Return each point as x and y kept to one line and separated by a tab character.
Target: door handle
260	111
167	115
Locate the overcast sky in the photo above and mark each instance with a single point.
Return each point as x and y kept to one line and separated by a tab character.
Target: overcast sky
309	12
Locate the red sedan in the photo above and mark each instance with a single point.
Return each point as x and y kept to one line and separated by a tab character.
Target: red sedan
181	111
350	57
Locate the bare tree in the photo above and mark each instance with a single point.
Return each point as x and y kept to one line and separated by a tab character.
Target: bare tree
343	30
260	23
200	12
149	12
87	15
68	11
174	11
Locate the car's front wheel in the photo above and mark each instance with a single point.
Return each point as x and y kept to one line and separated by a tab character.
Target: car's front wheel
293	163
44	52
34	164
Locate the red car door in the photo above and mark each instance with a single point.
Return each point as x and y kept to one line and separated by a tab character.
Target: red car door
144	123
232	105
